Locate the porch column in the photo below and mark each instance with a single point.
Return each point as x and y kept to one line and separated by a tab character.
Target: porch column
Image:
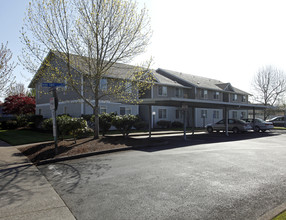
193	120
150	119
185	108
226	120
254	119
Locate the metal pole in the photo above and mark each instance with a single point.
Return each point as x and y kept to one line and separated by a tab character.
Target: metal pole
150	119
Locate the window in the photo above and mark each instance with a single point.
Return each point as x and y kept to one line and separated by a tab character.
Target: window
179	114
179	92
204	113
204	94
162	90
162	113
242	115
216	114
234	97
234	114
216	95
128	87
102	109
243	98
103	84
125	111
40	111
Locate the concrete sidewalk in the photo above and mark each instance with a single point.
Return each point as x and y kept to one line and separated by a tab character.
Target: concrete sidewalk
24	191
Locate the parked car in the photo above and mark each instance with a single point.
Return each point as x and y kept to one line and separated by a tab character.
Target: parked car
277	121
234	125
259	125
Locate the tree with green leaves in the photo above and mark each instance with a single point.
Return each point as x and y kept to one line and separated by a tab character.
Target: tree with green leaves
92	37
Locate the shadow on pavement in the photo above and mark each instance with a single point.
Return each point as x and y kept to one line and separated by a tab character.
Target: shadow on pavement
198	139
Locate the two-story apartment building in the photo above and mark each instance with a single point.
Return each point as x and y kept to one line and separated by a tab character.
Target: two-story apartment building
204	98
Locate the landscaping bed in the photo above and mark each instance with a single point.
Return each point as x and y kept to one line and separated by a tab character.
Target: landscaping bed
67	148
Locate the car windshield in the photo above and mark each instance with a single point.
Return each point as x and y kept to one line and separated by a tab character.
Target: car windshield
259	120
241	121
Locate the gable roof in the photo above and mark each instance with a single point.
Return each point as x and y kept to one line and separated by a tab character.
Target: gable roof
200	82
117	70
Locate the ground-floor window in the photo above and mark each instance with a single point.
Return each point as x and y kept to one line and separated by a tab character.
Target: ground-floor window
216	114
40	111
204	113
125	111
179	114
102	109
234	114
162	113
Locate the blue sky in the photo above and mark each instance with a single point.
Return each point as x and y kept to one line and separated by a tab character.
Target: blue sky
228	40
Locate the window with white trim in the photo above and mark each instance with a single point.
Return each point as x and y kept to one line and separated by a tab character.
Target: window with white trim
162	113
102	109
204	94
125	111
243	99
103	84
204	113
179	114
162	90
216	95
179	92
128	87
234	97
216	114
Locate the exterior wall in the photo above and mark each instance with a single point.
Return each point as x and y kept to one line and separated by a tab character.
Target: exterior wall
210	116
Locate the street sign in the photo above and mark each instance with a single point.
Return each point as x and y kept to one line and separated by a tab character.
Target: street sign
52	103
53	84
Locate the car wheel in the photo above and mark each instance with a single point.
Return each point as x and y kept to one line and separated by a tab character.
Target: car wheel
210	129
256	129
235	130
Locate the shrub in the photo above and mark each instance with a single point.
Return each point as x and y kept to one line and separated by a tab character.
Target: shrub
124	123
140	125
177	124
105	120
164	124
10	124
35	121
22	120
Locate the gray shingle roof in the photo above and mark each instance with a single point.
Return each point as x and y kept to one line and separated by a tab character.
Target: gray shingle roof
202	82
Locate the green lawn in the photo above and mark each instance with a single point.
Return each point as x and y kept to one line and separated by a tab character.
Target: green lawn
18	137
282	216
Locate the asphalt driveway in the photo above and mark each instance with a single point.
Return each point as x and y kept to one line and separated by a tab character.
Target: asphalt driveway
206	177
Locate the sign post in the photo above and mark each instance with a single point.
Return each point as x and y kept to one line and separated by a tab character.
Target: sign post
54	107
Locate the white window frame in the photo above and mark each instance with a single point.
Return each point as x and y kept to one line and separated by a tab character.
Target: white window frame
234	97
127	110
102	109
234	114
243	98
204	111
162	113
216	95
204	94
216	114
103	84
179	92
162	90
128	87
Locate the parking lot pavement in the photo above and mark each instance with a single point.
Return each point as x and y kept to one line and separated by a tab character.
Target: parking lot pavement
205	177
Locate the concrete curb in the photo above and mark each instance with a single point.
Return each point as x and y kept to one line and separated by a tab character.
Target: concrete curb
273	213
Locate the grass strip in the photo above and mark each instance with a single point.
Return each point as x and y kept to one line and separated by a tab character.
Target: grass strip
19	137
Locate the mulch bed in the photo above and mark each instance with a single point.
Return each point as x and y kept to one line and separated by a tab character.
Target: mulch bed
40	152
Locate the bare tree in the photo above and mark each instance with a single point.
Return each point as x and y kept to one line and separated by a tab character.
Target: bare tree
269	85
6	68
16	89
96	33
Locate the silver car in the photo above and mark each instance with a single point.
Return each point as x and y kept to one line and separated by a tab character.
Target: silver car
234	125
259	124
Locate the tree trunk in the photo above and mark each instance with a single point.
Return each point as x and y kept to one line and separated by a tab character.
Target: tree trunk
96	121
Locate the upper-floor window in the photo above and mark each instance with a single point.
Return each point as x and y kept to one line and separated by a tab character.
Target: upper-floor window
179	92
103	84
162	113
128	87
234	97
204	94
243	99
216	95
162	90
